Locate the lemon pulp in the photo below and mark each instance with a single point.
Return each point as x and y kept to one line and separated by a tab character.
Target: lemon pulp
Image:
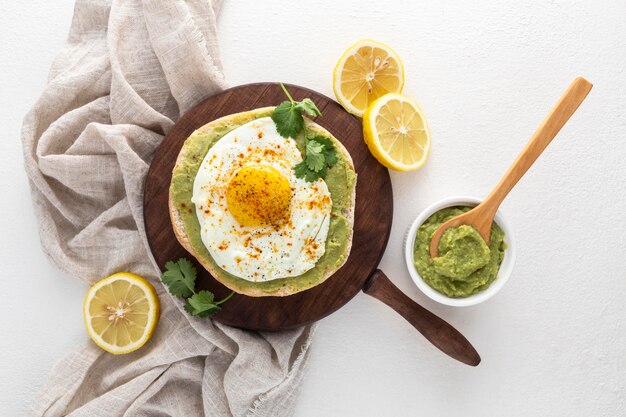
121	312
365	72
396	132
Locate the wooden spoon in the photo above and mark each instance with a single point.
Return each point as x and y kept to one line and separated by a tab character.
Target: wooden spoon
481	216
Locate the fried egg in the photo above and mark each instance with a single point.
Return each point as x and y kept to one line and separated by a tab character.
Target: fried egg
258	220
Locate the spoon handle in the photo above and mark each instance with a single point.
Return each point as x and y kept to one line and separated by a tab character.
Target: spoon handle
436	330
558	116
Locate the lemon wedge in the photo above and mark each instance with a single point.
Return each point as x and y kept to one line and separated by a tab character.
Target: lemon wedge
121	312
366	71
396	132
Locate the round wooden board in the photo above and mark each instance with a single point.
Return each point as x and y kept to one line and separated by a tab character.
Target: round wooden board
373	211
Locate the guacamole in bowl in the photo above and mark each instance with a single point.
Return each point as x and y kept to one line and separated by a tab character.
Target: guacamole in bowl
468	271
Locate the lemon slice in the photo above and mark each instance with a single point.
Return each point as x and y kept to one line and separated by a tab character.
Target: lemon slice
121	312
366	71
396	132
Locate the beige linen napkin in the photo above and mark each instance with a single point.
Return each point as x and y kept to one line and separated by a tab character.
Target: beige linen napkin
127	72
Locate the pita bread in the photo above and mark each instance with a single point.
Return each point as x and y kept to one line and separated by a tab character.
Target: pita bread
289	285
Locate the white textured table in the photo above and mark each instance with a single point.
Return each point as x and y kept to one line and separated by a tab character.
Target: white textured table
553	342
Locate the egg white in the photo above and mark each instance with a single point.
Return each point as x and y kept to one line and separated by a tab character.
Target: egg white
260	253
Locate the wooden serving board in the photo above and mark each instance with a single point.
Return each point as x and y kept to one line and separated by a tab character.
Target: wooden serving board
372	225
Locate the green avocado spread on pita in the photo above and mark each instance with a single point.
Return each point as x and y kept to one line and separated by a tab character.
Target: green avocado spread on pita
340	180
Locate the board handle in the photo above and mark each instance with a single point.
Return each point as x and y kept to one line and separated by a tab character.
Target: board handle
436	330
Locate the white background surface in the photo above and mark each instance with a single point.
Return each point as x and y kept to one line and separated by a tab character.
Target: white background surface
553	342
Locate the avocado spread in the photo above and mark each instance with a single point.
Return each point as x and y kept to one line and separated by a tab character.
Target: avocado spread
466	264
340	180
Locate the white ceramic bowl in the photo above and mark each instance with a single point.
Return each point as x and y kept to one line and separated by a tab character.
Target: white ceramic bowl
505	268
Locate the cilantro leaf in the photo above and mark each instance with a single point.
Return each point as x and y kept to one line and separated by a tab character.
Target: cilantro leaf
308	107
324	141
314	158
188	270
314	146
319	154
288	115
321	173
330	153
319	151
180	277
288	119
201	304
303	171
331	157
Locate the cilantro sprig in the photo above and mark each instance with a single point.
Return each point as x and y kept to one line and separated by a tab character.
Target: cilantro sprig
180	278
319	152
288	115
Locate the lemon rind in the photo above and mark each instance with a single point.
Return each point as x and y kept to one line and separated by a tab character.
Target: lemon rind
371	137
153	312
347	105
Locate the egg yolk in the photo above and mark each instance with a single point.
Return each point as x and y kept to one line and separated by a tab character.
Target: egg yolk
259	195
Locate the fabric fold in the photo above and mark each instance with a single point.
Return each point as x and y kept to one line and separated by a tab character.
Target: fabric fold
129	69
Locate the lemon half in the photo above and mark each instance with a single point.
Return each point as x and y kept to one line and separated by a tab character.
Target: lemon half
396	132
365	72
121	312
